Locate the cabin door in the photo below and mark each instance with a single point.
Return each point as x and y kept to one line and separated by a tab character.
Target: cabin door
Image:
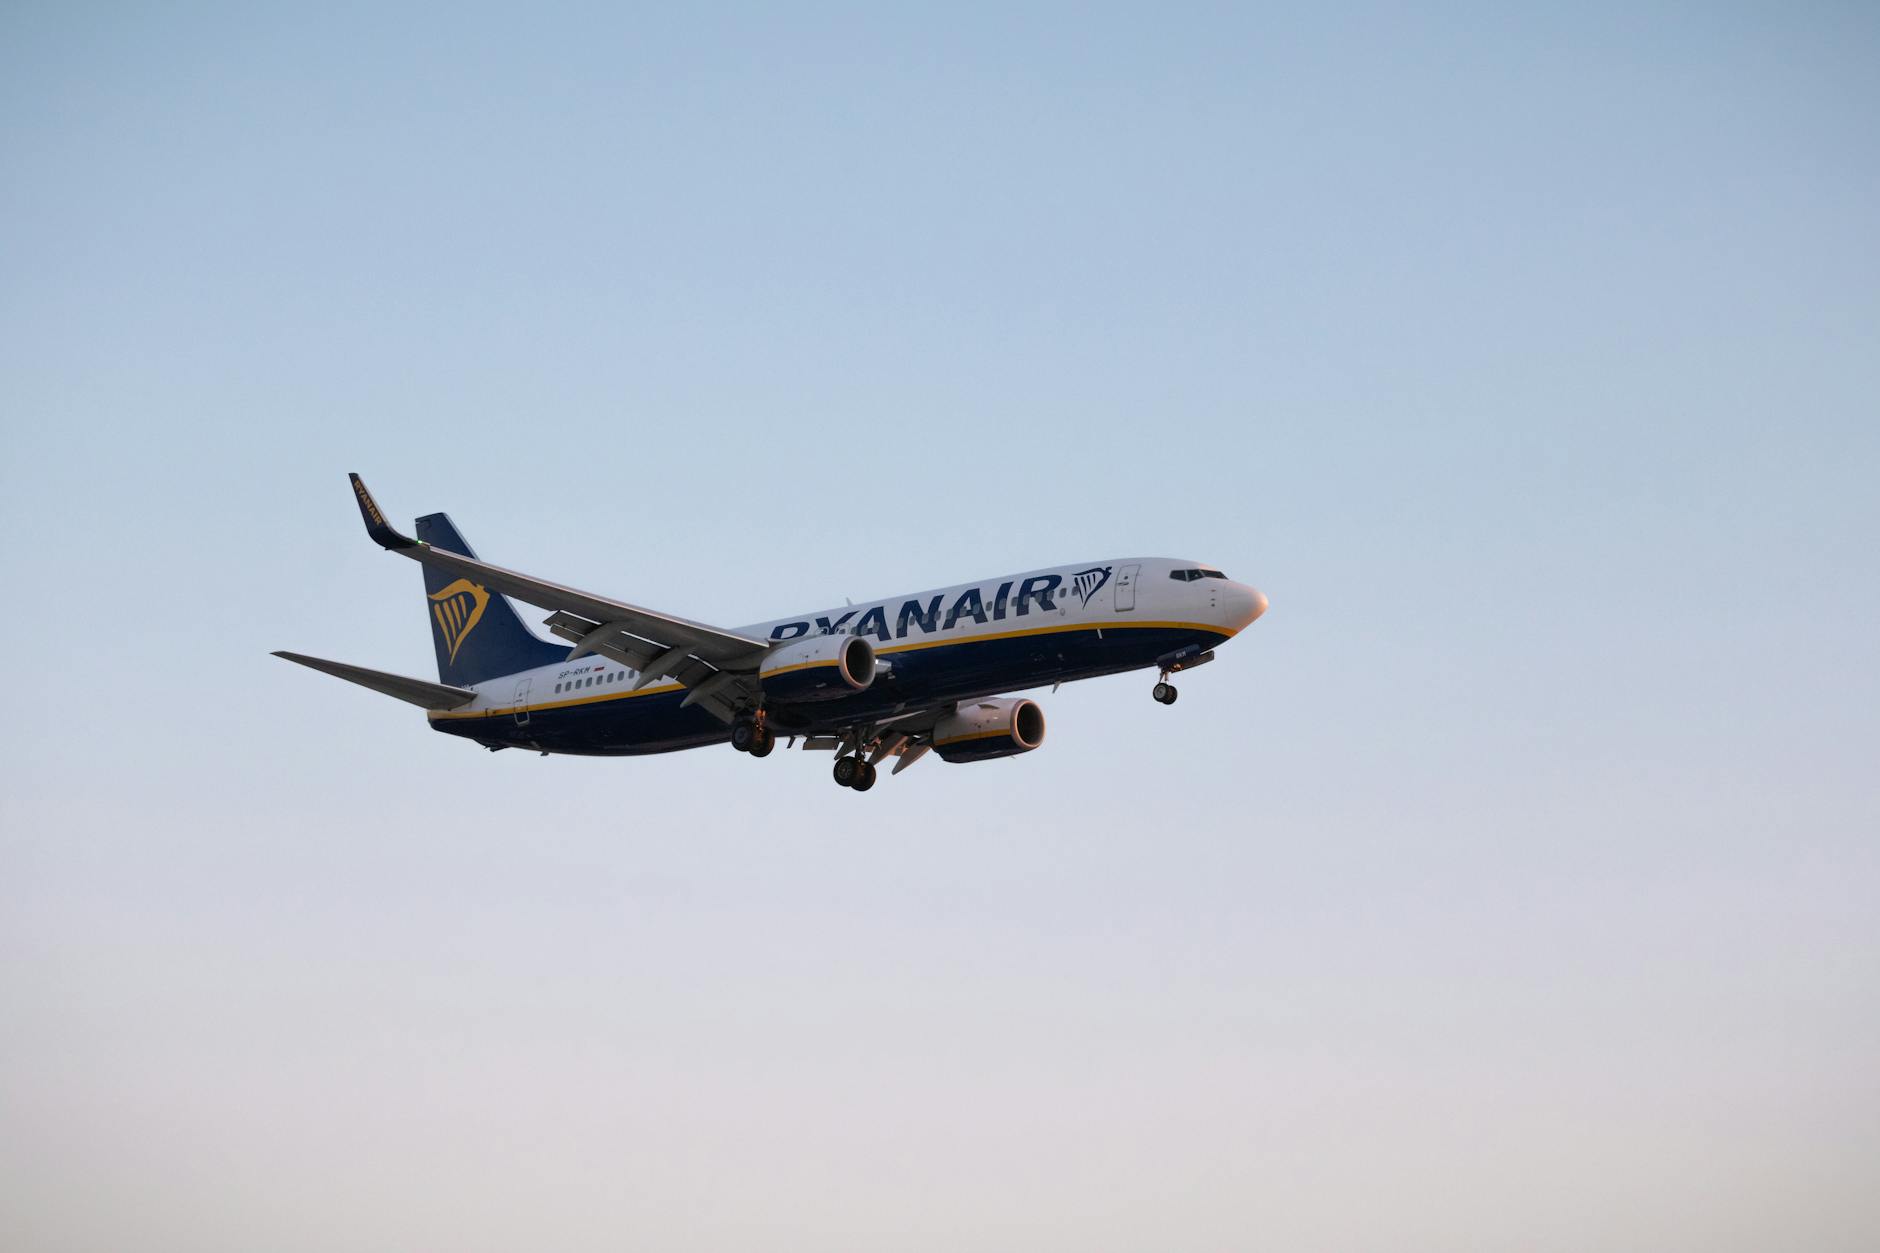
1126	588
522	702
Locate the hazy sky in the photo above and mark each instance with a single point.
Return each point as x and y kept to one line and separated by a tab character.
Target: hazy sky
1512	884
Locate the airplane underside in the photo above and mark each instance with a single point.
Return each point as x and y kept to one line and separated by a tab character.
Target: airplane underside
633	724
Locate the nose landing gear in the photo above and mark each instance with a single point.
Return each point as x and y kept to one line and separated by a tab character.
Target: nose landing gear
1181	659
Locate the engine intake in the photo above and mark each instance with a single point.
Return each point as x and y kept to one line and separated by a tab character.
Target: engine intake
821	667
986	729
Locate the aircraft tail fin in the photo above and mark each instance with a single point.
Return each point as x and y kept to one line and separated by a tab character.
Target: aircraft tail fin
477	632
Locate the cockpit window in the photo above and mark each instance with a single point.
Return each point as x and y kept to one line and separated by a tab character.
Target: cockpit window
1189	576
1212	574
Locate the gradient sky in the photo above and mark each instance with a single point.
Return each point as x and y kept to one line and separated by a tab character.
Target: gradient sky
1512	884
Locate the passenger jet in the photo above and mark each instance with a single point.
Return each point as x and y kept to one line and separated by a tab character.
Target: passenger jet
887	679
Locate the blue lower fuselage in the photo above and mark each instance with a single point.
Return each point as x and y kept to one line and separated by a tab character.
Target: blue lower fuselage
613	721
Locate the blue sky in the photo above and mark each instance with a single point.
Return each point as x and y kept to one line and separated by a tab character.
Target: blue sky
1511	882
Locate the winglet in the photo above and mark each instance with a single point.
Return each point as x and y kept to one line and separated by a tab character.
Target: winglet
381	532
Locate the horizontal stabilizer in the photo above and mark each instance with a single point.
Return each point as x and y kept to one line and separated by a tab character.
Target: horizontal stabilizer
414	691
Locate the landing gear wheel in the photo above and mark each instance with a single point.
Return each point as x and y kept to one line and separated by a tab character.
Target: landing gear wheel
1166	693
847	770
766	740
744	735
865	778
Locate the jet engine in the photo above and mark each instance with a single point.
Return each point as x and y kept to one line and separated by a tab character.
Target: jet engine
820	667
983	729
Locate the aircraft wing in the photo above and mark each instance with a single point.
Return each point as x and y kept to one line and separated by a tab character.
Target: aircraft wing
906	736
704	658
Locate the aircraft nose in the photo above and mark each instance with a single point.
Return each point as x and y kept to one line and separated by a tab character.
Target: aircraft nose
1243	604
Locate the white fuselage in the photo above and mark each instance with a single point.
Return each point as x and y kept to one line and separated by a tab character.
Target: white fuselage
1055	624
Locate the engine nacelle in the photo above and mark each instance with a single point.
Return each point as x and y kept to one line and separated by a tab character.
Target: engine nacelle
821	667
986	729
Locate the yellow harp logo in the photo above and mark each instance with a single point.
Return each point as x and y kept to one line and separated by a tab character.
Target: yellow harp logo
458	609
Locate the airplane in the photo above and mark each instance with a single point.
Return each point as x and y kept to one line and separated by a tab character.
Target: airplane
882	680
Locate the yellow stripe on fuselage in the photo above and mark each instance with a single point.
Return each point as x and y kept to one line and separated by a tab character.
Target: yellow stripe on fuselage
801	665
1056	629
995	734
955	641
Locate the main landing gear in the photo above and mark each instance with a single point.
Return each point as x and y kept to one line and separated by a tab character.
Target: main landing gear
750	735
1165	692
853	772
